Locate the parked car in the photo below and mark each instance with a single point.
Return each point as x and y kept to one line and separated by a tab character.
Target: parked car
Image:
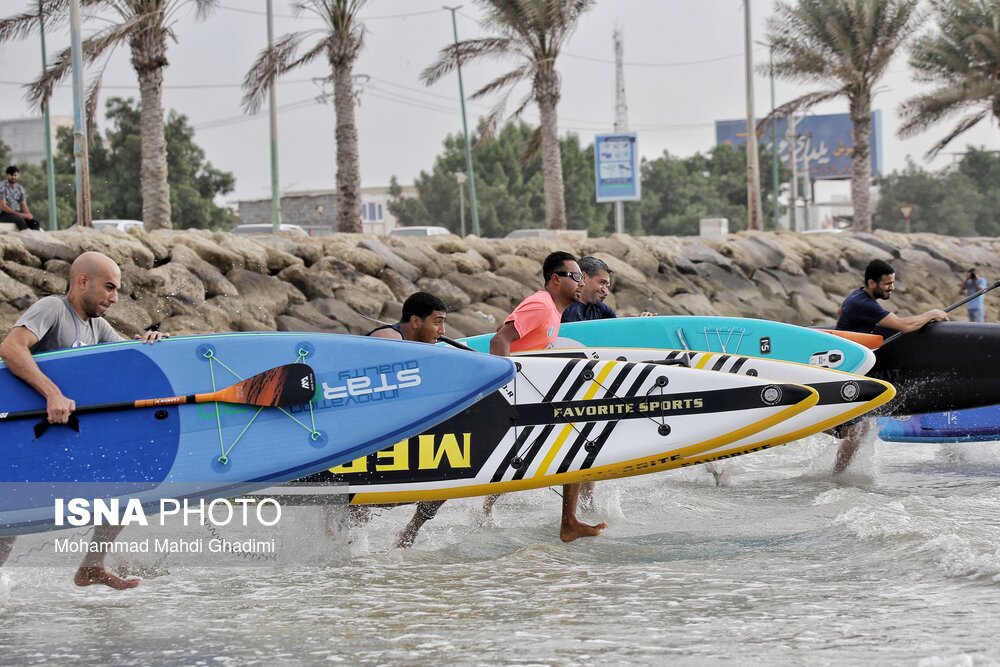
525	233
267	228
418	230
121	225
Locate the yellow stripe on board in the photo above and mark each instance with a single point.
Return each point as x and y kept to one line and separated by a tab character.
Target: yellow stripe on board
704	360
568	428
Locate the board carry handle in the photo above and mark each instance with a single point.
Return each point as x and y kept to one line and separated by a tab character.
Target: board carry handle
950	308
281	386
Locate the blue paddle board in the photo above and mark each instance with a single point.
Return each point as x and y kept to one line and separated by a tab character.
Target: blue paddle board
369	393
972	425
724	335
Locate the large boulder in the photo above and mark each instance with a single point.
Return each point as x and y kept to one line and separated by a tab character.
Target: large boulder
314	284
215	283
39	280
339	311
366	295
15	293
264	297
122	248
224	259
47	246
455	298
391	259
129	318
180	283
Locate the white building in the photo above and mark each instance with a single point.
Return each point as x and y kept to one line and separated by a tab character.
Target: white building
26	137
316	210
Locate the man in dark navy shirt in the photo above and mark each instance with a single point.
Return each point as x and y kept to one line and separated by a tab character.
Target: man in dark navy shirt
861	312
596	286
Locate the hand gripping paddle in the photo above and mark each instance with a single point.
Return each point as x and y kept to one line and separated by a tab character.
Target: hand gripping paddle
951	307
291	384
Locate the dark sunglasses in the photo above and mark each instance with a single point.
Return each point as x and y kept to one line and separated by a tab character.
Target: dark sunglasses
575	275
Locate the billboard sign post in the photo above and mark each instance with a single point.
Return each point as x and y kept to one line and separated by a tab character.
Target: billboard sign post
616	167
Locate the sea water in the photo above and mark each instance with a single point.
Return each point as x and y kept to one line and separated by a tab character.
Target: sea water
895	562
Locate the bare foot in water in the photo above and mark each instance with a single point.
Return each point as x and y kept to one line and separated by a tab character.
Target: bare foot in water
85	576
570	531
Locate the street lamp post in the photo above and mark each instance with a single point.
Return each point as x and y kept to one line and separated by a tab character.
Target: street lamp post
461	178
774	137
465	128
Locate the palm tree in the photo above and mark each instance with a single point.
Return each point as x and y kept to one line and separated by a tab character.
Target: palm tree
533	32
340	40
845	46
963	60
145	26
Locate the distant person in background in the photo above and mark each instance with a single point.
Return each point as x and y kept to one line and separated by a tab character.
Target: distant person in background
861	312
973	283
423	321
14	202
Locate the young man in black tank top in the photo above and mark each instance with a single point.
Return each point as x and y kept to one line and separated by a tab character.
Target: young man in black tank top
423	320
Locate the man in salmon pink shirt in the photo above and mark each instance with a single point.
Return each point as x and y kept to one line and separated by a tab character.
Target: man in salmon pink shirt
534	325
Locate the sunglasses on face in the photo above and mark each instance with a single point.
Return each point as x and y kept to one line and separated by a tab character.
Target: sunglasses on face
575	275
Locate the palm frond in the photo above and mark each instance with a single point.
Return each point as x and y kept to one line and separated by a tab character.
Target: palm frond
962	56
90	107
801	103
91	49
26	24
963	125
511	78
459	54
266	68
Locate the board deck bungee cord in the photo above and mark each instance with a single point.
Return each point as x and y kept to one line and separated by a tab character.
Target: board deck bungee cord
566	420
842	396
365	393
725	335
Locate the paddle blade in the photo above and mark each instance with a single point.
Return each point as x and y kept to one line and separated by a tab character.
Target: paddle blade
292	384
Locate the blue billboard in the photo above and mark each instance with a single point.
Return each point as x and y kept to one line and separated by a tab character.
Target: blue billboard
616	167
824	144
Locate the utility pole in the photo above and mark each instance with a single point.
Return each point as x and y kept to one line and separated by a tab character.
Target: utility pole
81	157
754	209
621	117
774	143
49	166
461	178
793	192
272	114
465	128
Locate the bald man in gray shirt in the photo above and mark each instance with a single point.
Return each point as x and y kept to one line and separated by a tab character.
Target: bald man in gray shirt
59	322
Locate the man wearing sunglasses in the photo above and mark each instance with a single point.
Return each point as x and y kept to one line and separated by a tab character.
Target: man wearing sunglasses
534	325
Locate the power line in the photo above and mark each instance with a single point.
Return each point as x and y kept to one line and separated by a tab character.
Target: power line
241	10
686	63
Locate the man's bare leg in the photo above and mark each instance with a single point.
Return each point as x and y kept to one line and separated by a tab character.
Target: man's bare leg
587	496
572	528
853	435
489	502
424	513
93	571
6	546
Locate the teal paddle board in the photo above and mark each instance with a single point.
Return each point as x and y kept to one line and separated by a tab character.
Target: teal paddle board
724	335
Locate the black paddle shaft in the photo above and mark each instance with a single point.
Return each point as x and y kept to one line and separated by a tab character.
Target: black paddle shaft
957	304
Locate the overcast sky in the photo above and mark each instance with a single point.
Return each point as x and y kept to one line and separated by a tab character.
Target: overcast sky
683	71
